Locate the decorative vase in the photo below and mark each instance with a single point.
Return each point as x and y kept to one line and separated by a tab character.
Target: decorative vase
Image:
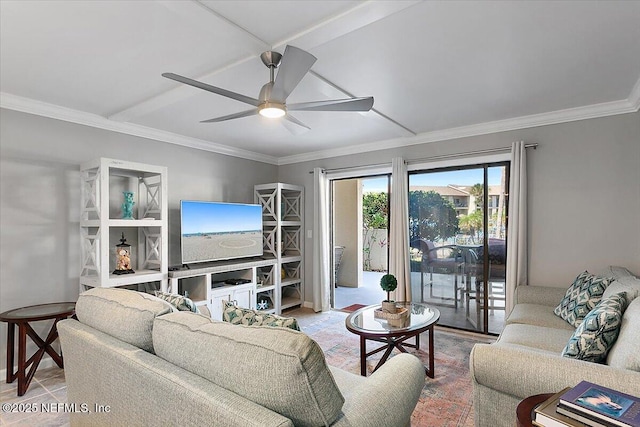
389	307
127	205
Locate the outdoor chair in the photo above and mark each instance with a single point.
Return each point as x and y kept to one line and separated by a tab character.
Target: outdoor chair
495	282
443	259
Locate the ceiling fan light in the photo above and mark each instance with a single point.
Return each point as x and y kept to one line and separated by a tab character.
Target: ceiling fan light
272	110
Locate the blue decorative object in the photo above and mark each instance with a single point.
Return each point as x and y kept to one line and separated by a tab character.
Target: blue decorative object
127	206
262	305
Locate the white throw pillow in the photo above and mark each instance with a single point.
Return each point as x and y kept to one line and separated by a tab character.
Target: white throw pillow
616	272
630	285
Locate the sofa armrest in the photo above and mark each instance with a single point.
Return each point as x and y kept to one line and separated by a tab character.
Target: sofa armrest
543	295
388	397
521	371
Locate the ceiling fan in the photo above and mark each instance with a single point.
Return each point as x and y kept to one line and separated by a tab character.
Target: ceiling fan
272	101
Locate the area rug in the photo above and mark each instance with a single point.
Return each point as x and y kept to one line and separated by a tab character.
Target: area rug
351	308
446	400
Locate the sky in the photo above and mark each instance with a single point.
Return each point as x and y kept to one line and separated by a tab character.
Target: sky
457	177
212	217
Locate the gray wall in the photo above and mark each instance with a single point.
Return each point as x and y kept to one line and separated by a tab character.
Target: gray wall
40	199
584	192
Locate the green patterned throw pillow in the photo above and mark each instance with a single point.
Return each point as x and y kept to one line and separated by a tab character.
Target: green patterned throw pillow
244	316
595	336
581	297
181	303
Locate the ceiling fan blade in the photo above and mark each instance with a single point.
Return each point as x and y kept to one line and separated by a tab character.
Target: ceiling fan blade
209	88
298	129
294	65
348	104
232	116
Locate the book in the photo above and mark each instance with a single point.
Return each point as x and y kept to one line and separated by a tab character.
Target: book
545	414
587	420
599	404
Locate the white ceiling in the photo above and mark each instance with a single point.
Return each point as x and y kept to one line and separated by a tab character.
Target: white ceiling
437	70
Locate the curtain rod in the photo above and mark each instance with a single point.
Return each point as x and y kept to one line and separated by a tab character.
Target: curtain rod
440	157
469	153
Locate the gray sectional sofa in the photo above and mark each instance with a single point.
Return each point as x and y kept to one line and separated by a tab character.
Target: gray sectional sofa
526	359
130	360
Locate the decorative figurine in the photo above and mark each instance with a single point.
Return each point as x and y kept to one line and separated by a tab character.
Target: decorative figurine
123	257
127	206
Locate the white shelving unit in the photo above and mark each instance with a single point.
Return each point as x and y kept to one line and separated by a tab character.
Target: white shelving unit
204	283
101	224
283	231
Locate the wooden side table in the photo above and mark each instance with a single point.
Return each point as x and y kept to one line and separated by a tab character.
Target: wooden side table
22	317
524	411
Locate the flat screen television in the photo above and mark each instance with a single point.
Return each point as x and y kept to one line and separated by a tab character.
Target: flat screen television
212	231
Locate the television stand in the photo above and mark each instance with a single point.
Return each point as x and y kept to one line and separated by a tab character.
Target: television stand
205	283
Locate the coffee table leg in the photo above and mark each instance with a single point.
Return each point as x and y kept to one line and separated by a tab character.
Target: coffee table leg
387	353
430	370
363	356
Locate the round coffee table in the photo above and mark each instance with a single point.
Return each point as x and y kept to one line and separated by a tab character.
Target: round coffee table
22	317
363	323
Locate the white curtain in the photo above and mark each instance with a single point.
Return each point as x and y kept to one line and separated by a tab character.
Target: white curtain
517	229
399	230
321	261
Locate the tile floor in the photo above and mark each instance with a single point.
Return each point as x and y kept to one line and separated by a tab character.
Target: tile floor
47	392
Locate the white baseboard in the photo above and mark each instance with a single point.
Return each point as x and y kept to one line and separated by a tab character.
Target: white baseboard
46	362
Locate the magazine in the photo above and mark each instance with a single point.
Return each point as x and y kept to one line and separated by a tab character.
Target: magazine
602	404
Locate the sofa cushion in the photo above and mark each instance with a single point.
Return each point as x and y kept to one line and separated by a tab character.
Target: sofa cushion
123	314
625	353
538	315
245	316
599	330
279	368
179	302
629	285
582	296
537	337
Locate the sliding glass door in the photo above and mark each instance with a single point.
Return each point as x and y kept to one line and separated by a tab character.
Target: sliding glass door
457	226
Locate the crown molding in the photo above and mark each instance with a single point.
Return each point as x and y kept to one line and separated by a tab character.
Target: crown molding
26	105
39	108
625	106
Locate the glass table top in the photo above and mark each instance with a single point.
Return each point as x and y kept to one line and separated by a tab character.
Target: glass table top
38	311
363	320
